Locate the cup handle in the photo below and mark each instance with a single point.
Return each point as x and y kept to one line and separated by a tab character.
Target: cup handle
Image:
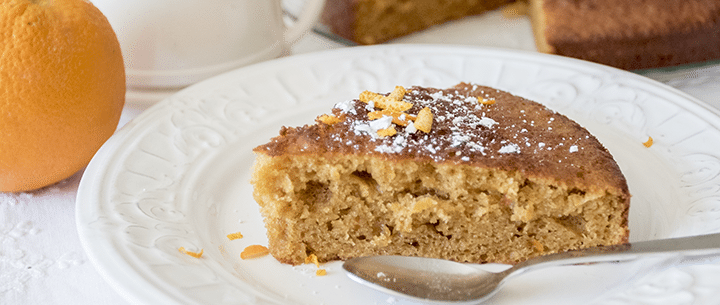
309	15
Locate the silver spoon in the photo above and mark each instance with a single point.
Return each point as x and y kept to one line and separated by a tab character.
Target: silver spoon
445	281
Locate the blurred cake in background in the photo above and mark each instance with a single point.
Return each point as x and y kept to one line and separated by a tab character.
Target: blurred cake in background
627	34
377	21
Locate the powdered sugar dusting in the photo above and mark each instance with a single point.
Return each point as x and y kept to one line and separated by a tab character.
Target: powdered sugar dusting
346	107
511	148
372	127
463	128
487	122
466	128
462	123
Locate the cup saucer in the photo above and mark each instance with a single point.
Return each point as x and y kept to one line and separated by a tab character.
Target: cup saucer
148	97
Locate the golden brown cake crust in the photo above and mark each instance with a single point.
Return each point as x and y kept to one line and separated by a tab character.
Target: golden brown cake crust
513	134
619	19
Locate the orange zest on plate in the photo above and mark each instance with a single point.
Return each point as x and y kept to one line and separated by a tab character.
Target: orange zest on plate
193	254
649	142
254	251
234	236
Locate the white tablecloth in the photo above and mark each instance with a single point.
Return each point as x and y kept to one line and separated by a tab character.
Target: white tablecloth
42	261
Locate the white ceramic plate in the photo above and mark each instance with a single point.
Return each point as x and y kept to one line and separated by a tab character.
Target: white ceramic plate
178	176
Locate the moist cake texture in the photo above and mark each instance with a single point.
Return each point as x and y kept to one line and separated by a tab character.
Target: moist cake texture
495	178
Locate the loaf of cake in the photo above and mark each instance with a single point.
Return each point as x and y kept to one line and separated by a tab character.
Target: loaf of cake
468	173
631	35
627	34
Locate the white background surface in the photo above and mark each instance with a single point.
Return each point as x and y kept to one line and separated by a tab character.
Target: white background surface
42	261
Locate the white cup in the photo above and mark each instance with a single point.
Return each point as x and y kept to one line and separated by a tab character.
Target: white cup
174	43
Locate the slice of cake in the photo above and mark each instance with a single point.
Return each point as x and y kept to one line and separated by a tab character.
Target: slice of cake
469	173
376	21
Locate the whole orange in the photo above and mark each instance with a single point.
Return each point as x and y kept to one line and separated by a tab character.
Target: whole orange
62	89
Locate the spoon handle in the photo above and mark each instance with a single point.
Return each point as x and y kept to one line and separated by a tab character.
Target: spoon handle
702	245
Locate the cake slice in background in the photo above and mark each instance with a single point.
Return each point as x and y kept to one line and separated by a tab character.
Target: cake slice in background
626	34
377	21
631	35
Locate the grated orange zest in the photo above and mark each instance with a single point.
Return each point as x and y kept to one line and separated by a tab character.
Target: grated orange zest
193	254
254	251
